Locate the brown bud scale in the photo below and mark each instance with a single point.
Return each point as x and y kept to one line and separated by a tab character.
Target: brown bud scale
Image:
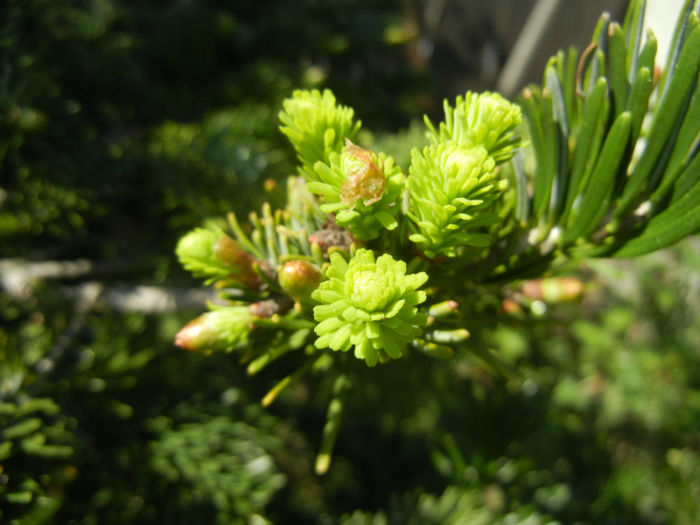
366	183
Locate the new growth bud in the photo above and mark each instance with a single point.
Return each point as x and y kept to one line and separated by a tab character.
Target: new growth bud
299	278
241	262
220	329
443	309
316	126
370	305
216	256
554	289
268	307
451	189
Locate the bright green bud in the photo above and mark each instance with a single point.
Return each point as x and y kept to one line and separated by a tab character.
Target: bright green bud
316	126
480	119
451	188
220	329
299	278
362	189
443	309
216	256
369	305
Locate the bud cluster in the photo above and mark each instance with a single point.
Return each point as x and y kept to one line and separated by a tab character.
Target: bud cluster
341	269
301	271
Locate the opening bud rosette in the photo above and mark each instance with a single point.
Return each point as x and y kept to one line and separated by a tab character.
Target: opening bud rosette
364	179
369	305
362	188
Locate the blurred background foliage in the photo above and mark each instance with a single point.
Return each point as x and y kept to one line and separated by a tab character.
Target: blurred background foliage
123	125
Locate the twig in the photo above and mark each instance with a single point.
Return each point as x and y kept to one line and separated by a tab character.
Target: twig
18	279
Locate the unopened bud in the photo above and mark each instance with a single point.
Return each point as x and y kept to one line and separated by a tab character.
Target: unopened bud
511	307
299	278
221	329
554	289
196	245
443	309
450	336
434	350
270	185
241	262
211	254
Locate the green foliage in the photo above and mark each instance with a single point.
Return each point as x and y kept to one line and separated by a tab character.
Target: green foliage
451	189
214	255
456	202
225	463
316	126
37	455
480	119
196	252
603	185
79	441
554	400
87	155
229	148
455	506
591	428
